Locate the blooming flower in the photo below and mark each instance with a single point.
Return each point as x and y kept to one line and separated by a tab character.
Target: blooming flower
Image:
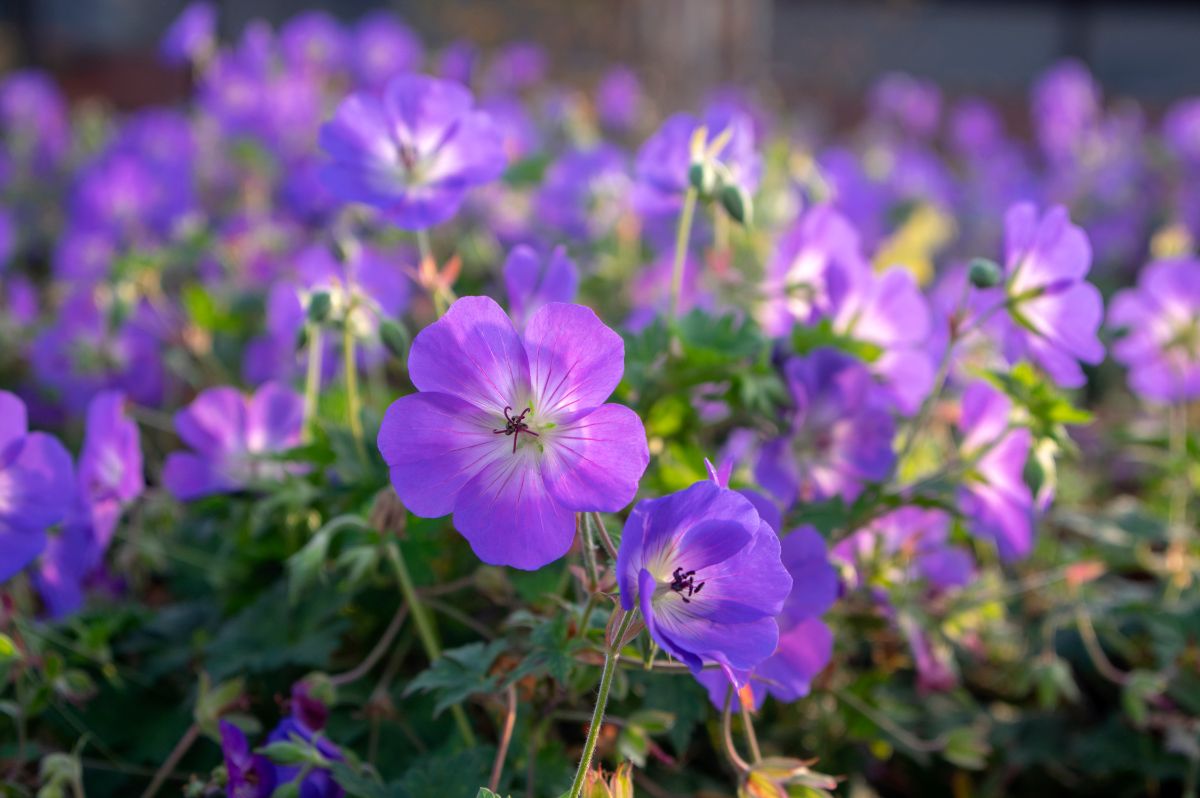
249	775
994	496
1053	314
510	432
412	153
530	283
584	192
314	40
919	538
618	98
705	571
37	482
912	104
232	437
805	642
384	47
1161	316
841	432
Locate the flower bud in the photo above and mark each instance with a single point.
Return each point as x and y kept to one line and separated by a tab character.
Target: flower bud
702	177
319	305
395	337
285	753
302	338
737	203
984	273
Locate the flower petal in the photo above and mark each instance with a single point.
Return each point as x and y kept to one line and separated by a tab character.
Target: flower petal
575	361
595	462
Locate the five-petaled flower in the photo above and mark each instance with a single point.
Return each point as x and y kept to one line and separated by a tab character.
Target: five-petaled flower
510	432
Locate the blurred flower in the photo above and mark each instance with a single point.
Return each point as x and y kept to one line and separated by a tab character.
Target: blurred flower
585	192
33	116
234	440
384	47
910	103
618	99
532	283
919	541
414	153
1161	319
314	40
192	36
37	482
248	775
510	432
1052	313
1065	105
516	67
705	571
457	61
994	496
841	432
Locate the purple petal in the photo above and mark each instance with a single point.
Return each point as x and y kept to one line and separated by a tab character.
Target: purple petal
274	418
575	361
803	652
13	420
215	422
595	462
814	580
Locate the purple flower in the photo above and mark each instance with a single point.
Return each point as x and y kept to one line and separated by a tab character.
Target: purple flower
919	537
651	292
384	47
585	192
315	41
1053	314
814	265
457	61
192	36
33	116
414	153
510	432
705	571
618	99
233	438
516	67
1065	108
889	312
249	775
841	432
912	104
805	642
532	283
1181	131
1161	317
994	496
37	483
664	160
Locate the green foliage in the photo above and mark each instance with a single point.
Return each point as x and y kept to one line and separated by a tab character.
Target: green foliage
459	674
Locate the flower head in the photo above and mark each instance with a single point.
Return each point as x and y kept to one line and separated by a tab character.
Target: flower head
532	283
919	538
841	432
413	152
249	775
192	36
585	192
705	571
510	433
1053	314
232	437
1161	316
37	482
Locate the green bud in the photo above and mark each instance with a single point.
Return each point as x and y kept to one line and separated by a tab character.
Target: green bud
737	203
285	753
319	305
984	273
702	177
394	336
302	338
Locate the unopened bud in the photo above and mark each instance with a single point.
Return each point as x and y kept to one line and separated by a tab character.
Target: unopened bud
319	305
702	177
984	273
737	203
394	336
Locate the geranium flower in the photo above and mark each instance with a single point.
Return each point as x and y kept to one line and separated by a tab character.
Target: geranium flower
37	483
412	153
1052	312
805	642
233	437
994	496
192	36
841	432
1161	346
532	283
510	432
918	536
584	192
249	775
383	47
705	571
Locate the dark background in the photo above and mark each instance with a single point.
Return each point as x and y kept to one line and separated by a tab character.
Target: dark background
816	49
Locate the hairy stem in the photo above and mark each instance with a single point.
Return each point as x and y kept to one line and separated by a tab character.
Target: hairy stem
682	235
510	720
606	677
312	380
351	368
739	764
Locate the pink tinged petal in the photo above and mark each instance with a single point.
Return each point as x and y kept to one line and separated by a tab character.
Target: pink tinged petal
803	652
508	516
13	420
985	413
909	374
575	361
274	418
474	353
595	462
1069	320
215	422
895	311
434	443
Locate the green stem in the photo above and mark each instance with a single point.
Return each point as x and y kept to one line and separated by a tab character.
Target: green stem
1179	485
587	546
425	631
606	677
351	368
682	235
751	737
423	245
312	380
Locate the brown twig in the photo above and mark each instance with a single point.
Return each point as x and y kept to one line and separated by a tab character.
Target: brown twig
177	753
510	720
363	668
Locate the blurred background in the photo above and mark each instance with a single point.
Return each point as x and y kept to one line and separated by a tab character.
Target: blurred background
823	50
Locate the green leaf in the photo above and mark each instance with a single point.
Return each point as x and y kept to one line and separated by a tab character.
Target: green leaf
458	674
357	784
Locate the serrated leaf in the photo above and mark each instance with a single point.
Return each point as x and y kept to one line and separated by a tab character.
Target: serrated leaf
458	674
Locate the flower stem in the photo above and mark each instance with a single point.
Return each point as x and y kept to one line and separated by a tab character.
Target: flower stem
177	753
587	547
682	236
425	630
312	380
731	751
351	368
751	737
606	677
609	547
423	245
510	720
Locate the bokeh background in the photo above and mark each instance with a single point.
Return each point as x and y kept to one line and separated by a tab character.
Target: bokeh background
821	52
